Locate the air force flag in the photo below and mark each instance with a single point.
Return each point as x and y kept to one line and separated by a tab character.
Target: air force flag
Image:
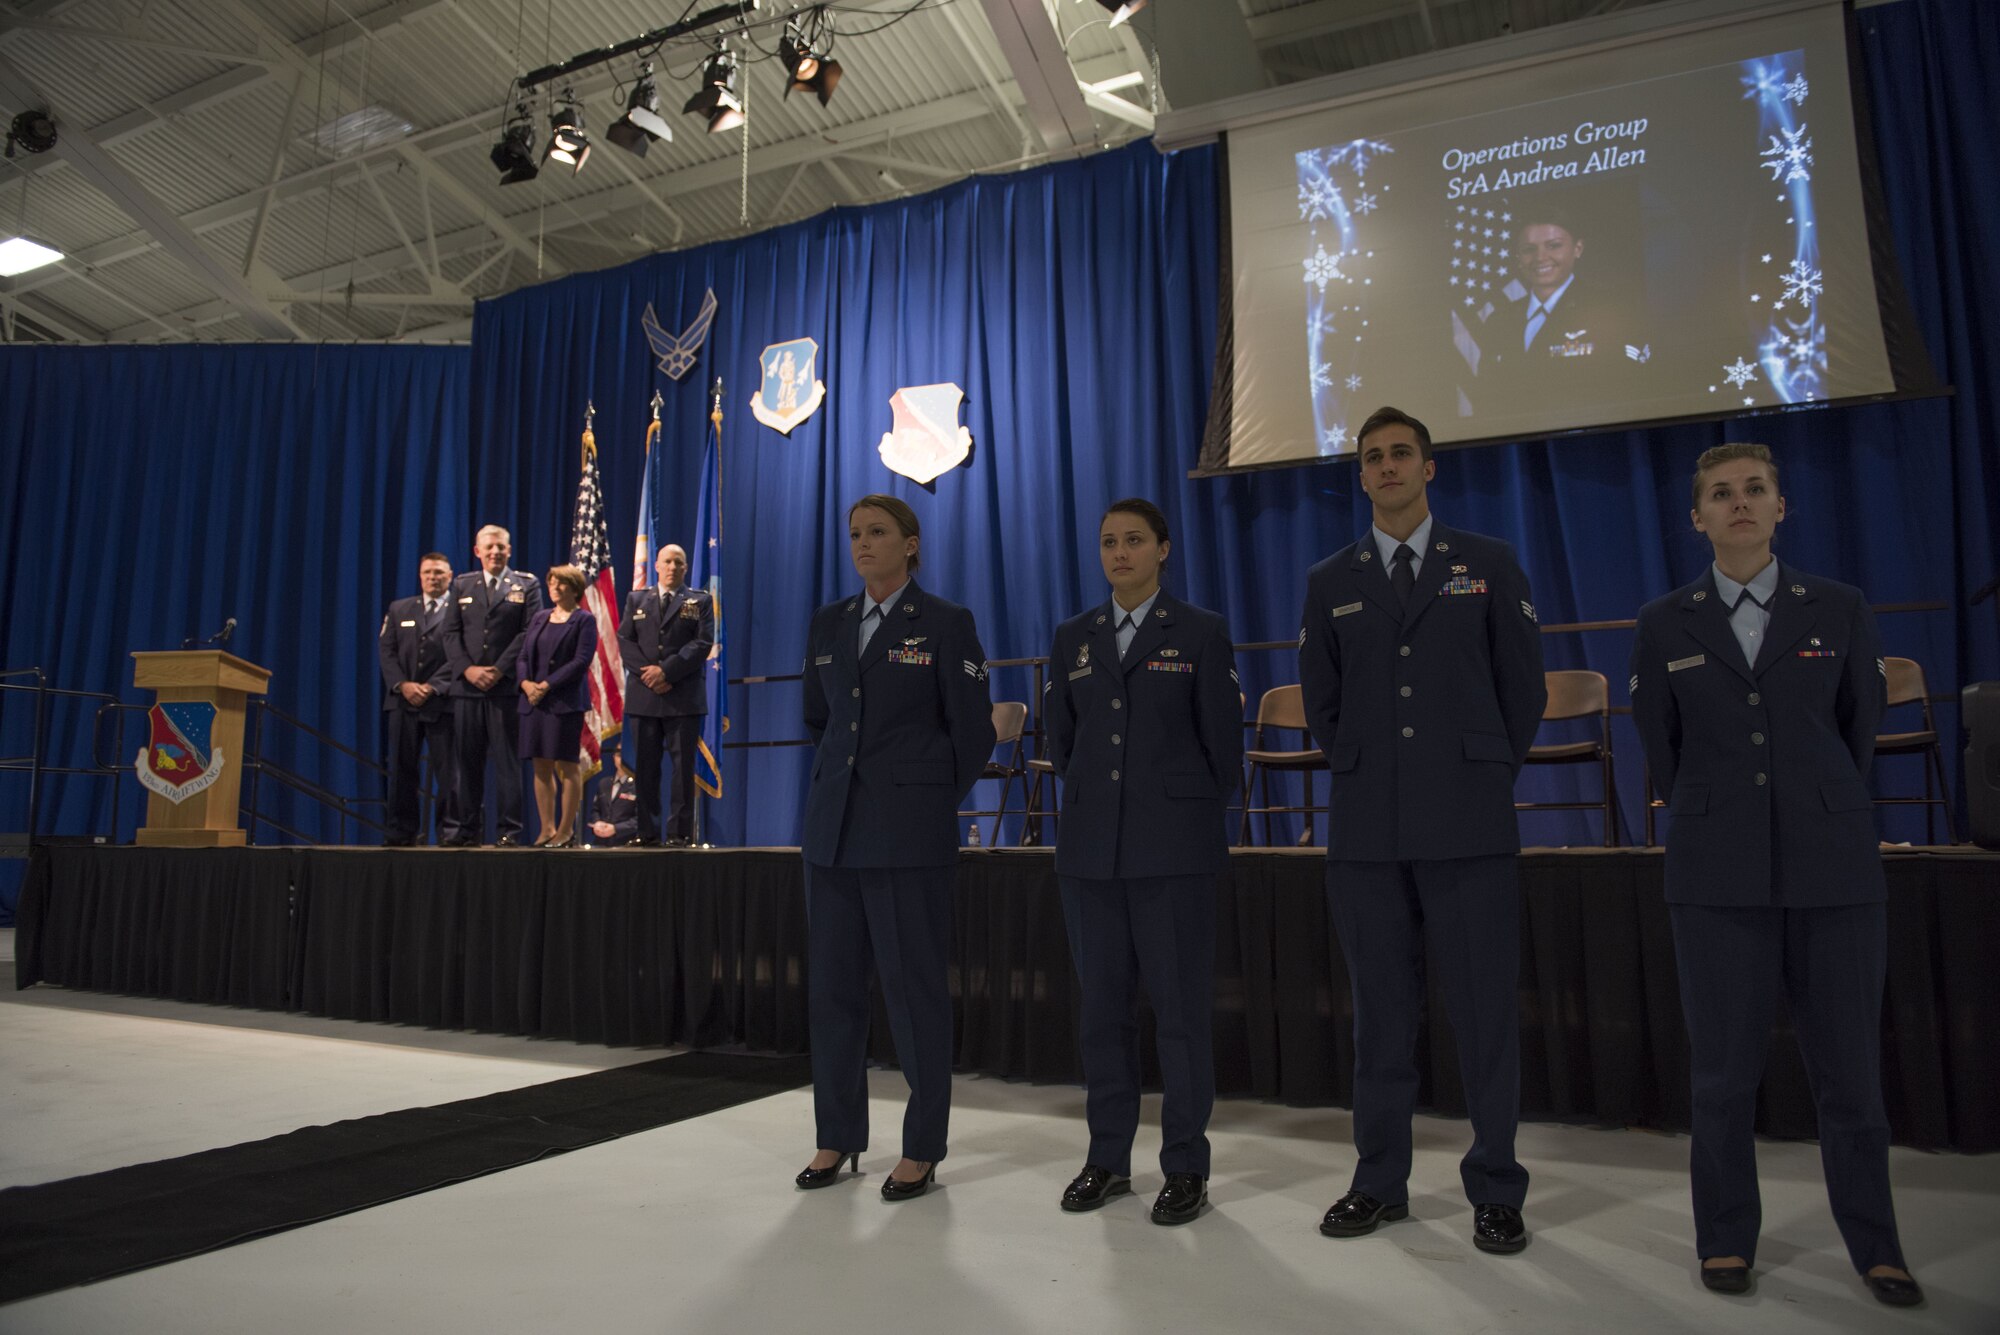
789	394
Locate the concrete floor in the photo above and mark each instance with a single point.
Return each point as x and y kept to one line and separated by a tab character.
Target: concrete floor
695	1227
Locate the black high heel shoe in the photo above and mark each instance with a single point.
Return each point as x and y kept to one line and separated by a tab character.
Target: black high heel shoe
562	843
811	1179
892	1190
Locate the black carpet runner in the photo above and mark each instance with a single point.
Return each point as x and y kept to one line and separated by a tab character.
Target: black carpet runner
83	1229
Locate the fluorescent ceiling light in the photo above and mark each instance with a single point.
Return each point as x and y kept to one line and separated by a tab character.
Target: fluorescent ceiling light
18	255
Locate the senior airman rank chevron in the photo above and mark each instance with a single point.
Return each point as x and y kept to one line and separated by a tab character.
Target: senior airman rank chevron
1634	687
1528	611
976	671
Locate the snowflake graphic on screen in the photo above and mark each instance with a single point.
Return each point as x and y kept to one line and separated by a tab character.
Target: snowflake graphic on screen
1795	91
1319	198
1322	268
1356	154
1333	439
1322	375
1740	374
1790	159
1366	204
1802	284
1353	382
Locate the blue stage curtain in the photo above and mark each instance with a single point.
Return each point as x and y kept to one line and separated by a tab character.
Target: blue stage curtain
1075	304
149	493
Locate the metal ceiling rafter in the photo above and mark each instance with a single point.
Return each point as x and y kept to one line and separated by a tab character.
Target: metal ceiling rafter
1034	50
294	59
149	212
117	37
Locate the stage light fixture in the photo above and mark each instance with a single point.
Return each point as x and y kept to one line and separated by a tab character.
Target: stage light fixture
569	144
642	123
34	131
807	66
717	99
514	155
1120	10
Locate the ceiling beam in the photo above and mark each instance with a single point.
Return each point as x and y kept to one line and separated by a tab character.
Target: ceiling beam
140	41
149	211
1034	50
1323	18
41	317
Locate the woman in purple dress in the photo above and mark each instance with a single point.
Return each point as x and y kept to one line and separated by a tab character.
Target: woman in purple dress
554	672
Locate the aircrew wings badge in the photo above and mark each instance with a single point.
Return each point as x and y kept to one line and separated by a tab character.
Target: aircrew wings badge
789	393
177	761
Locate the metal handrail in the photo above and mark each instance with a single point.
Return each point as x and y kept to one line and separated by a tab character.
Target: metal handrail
256	765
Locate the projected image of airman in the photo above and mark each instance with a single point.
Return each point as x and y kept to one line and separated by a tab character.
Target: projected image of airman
1565	339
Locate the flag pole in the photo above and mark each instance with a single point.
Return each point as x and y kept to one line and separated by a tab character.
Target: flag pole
715	424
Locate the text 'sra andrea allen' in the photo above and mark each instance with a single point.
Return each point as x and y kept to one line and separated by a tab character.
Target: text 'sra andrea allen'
1607	154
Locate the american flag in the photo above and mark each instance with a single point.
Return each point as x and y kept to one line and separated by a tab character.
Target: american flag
590	552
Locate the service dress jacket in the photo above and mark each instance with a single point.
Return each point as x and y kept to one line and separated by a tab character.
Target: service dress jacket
1150	747
1425	713
1764	768
484	629
900	733
410	647
674	631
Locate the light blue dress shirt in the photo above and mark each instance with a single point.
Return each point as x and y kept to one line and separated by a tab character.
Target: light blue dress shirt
1129	622
869	621
1750	617
1420	542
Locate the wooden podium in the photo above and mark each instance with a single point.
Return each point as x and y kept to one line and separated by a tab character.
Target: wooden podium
205	818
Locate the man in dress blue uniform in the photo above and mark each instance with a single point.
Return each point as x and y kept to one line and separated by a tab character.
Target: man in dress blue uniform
1421	667
617	804
1757	690
485	618
664	640
416	679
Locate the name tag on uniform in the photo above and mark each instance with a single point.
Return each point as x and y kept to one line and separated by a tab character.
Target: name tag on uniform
639	615
1680	663
1080	672
822	660
463	601
913	657
406	623
1461	584
516	597
1347	610
1155	665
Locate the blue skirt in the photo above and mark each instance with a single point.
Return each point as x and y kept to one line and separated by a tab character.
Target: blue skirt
546	735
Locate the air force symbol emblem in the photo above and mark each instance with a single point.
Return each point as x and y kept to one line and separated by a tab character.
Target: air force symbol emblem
926	440
677	351
789	394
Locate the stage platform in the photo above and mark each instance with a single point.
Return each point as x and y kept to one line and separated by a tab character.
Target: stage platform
707	948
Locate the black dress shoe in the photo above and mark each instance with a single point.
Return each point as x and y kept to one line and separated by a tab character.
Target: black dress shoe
639	841
1356	1214
1092	1187
811	1179
1498	1228
1181	1199
410	842
509	841
1726	1278
892	1190
677	841
462	841
1893	1291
